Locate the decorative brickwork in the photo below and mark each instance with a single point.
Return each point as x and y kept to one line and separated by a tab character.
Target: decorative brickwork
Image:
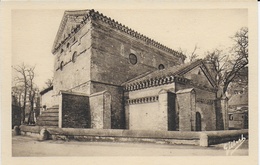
143	100
162	81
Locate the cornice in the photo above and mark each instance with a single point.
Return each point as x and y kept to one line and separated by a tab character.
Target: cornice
163	81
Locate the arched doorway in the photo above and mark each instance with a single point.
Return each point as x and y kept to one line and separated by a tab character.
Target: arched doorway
198	121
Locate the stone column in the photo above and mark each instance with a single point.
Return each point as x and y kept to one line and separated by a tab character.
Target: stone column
163	108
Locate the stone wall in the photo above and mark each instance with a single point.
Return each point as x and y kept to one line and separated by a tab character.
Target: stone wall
205	105
75	110
152	112
208	116
145	117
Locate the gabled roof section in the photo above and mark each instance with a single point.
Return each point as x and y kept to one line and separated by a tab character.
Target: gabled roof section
46	90
172	71
71	22
172	74
74	20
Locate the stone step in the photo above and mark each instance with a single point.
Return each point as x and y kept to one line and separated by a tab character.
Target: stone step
55	107
51	111
47	123
48	118
49	114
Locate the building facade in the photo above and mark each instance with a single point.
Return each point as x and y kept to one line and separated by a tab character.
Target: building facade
108	76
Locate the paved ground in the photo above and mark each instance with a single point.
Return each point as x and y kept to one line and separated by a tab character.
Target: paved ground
30	146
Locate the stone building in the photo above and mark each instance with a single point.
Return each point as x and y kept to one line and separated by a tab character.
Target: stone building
238	101
108	76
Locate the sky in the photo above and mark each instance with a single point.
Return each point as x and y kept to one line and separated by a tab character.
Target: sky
34	31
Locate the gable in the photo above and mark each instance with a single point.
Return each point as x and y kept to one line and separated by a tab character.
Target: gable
70	24
200	75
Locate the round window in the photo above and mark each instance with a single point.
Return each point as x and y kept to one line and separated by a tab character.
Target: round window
61	65
132	58
74	56
161	67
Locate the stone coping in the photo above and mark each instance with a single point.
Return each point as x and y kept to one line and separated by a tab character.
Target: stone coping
204	138
72	93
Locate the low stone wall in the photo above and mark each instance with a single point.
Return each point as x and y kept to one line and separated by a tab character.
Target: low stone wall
215	137
205	138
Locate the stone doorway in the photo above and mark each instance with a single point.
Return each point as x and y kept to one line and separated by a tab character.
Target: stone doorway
198	121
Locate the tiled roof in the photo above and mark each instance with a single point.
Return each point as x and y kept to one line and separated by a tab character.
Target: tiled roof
46	90
238	99
172	71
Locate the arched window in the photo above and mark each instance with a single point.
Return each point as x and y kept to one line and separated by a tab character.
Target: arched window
68	45
161	67
74	56
61	51
132	58
61	65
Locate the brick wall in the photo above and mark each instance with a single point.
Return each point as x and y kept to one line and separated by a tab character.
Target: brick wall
117	103
186	109
75	111
100	105
208	116
110	55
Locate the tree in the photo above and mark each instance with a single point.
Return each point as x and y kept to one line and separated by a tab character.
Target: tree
21	80
32	89
24	87
49	82
193	56
227	67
